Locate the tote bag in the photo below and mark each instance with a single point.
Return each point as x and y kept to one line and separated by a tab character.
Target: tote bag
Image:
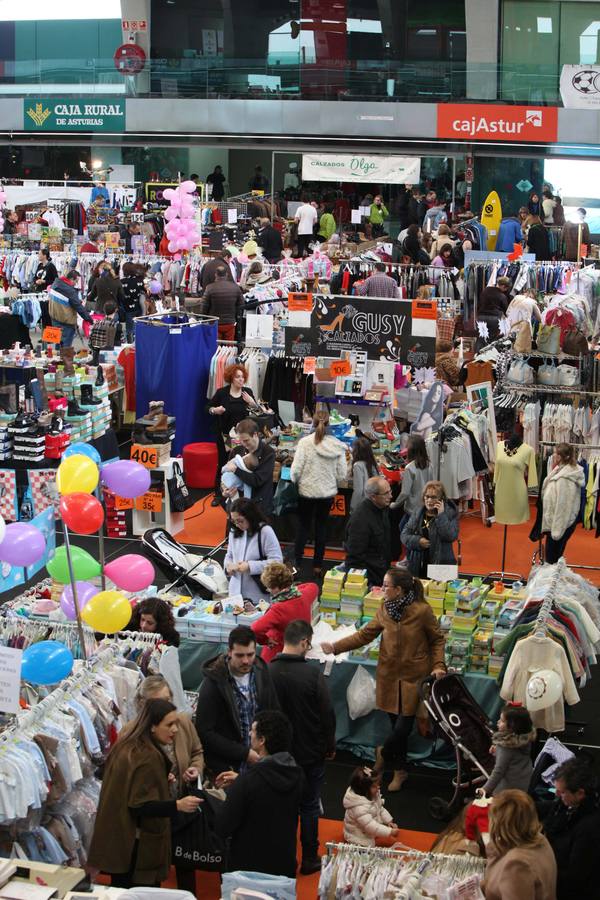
194	842
548	339
179	493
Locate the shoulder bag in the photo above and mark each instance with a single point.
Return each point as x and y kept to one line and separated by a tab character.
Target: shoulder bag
548	339
575	342
194	842
179	493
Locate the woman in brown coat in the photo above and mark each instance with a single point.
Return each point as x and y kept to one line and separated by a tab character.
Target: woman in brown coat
132	832
521	863
412	647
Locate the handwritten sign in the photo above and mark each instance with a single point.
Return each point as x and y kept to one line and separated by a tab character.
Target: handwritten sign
146	456
123	502
300	302
338	507
51	335
149	502
340	367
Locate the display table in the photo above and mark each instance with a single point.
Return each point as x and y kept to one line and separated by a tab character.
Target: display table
360	736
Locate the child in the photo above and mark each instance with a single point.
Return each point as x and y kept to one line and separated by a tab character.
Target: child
366	817
230	480
512	748
106	333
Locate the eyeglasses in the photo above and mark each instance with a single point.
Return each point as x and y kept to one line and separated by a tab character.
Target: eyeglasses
431	497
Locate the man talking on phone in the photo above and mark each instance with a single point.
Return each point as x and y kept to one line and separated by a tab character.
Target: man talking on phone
431	531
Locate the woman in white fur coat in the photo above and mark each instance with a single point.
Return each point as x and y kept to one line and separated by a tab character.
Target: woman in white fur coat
561	501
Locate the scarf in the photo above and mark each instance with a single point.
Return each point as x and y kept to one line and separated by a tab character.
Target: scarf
395	608
290	594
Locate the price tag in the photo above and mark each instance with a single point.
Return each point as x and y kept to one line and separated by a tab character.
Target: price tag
424	309
137	217
338	507
123	502
146	456
310	364
340	367
583	250
149	502
51	335
300	302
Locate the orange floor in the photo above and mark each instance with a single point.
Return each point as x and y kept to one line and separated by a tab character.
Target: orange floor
481	548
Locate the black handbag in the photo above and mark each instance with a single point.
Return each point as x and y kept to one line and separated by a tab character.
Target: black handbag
194	841
179	493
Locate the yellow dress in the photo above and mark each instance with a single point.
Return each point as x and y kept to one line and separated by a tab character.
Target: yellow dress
511	500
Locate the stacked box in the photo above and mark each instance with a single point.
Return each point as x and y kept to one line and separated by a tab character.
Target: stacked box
116	519
56	444
372	601
331	595
28	443
81	427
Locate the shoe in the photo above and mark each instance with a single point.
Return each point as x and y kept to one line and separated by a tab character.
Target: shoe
161	424
156	408
310	866
398	780
100	377
379	760
87	396
74	409
67	355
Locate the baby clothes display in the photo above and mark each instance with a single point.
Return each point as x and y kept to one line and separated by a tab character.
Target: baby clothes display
511	469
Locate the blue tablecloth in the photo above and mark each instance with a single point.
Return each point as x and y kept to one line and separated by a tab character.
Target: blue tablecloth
360	736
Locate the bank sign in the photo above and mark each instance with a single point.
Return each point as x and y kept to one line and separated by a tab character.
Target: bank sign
74	114
487	122
361	168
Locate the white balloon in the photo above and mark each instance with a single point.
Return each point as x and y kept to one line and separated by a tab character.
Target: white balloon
2	529
544	688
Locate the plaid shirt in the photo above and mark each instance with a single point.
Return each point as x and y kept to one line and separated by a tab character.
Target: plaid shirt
246	704
380	285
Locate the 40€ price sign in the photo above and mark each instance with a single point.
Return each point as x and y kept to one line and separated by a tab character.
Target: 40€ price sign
146	456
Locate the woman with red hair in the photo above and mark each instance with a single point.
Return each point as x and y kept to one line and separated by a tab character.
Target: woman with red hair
229	406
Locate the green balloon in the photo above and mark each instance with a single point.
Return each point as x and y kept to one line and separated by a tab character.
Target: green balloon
84	565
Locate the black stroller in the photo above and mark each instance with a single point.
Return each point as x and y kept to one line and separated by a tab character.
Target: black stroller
458	719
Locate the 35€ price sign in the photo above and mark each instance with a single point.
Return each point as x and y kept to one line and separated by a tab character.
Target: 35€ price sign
149	502
146	456
340	367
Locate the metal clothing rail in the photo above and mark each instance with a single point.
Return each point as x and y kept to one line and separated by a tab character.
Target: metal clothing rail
183	320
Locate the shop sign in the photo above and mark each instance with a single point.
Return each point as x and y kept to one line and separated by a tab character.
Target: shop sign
580	87
358	167
74	114
154	191
384	329
487	122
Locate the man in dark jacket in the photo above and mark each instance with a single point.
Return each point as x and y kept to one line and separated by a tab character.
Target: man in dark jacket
417	207
260	478
224	299
573	829
269	792
236	686
209	269
64	304
368	533
304	698
270	240
492	306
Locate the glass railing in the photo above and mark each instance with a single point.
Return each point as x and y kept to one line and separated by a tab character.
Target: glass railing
365	80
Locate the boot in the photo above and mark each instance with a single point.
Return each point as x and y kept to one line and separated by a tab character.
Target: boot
379	761
141	436
67	355
398	780
161	424
73	409
87	396
156	408
100	377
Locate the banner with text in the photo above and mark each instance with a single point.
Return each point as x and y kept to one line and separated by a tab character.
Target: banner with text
349	167
386	329
580	87
74	114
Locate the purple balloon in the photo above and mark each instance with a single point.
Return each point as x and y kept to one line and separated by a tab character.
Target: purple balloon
155	287
23	544
126	478
85	591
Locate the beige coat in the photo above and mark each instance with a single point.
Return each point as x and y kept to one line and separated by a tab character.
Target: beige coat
187	747
524	873
410	649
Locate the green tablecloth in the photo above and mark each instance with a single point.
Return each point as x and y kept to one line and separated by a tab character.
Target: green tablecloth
360	736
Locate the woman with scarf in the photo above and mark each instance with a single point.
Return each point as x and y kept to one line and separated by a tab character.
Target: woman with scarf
412	647
290	602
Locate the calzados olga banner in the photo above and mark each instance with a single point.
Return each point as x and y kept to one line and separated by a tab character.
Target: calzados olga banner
385	329
74	114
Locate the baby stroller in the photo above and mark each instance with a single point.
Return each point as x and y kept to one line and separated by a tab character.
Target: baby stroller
458	720
200	574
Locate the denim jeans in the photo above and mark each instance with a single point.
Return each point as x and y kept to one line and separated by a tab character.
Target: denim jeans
68	333
310	808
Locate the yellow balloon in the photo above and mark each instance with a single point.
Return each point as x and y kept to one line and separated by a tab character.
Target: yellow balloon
108	611
77	473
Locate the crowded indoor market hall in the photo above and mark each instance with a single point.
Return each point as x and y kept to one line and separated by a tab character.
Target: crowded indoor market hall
299	450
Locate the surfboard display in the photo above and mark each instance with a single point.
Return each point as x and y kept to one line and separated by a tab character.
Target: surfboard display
491	216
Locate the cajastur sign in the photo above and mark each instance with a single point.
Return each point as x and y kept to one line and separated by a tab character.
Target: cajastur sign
487	122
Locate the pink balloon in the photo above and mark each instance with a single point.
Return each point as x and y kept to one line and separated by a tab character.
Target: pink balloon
172	246
131	572
182	244
188	187
85	591
170	213
187	210
169	194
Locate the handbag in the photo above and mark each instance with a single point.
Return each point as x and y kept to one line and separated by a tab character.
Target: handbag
567	375
520	372
548	374
522	332
179	494
575	342
194	842
548	339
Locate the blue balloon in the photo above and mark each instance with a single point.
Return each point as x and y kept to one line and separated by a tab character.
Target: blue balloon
84	450
46	662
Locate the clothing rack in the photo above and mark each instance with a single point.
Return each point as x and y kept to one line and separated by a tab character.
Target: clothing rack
39	629
549	599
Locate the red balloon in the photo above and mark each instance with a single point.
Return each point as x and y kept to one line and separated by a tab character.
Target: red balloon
82	513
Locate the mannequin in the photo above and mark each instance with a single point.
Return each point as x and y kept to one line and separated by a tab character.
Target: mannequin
514	471
290	179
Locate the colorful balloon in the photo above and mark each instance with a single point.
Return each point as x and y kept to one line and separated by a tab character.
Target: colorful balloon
84	565
126	478
130	572
46	662
85	592
82	513
108	611
155	287
82	450
77	474
23	544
